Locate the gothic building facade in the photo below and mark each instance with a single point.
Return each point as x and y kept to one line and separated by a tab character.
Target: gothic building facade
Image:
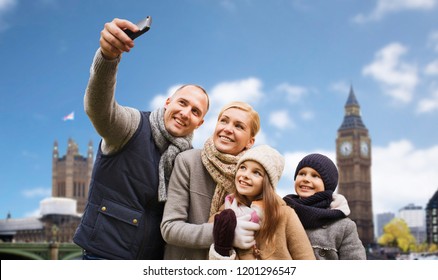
353	156
71	173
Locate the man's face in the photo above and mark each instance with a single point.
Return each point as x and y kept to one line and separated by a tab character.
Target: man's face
185	111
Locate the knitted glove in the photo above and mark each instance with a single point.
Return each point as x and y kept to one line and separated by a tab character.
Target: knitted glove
223	231
245	232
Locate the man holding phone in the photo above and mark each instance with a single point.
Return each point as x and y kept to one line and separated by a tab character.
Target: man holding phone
135	157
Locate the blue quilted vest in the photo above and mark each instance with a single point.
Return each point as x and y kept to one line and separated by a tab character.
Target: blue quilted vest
122	217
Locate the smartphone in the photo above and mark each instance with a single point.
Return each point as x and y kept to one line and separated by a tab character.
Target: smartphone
144	25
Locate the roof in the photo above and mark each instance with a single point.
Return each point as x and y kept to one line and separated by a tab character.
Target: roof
10	226
352	118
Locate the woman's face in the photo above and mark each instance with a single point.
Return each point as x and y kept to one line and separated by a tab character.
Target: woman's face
233	132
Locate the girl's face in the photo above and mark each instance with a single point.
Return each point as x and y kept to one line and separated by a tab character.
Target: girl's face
233	132
308	182
249	179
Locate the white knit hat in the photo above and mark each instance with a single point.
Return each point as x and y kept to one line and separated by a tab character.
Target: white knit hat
269	158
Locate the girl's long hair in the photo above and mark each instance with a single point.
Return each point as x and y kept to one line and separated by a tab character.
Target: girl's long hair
271	210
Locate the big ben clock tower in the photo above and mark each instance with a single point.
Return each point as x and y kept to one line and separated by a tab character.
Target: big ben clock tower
353	156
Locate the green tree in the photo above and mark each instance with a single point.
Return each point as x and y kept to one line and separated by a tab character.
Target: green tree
397	234
433	248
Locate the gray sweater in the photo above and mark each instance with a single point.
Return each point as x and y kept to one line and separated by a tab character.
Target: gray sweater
114	123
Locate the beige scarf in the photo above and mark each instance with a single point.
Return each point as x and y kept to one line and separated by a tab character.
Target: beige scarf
222	168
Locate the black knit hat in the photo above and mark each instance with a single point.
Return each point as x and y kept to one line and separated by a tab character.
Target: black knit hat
325	167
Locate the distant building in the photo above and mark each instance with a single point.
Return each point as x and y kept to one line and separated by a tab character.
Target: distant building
71	174
432	219
414	216
382	220
57	223
60	214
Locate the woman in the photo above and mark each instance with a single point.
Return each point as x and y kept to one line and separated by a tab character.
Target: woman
201	179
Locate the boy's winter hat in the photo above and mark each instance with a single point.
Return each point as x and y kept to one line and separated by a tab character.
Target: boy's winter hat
325	167
271	160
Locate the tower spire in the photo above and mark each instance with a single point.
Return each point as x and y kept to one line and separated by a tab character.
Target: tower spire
352	117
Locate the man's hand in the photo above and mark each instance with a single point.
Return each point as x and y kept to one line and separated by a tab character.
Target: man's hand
113	40
244	233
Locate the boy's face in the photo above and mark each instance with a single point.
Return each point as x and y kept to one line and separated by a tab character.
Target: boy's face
308	182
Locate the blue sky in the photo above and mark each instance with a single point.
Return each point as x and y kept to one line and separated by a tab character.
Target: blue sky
293	60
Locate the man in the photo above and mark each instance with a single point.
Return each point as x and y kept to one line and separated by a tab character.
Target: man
135	158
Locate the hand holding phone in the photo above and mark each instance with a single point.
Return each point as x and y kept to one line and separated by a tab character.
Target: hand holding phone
144	25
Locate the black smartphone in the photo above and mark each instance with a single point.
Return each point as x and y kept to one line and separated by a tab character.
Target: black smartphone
144	25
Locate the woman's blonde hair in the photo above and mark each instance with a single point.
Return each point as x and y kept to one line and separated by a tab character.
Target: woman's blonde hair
254	116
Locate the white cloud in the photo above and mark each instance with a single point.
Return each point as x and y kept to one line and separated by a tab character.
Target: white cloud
294	93
432	68
307	115
398	78
400	174
403	174
427	105
262	138
385	7
6	5
34	213
281	120
248	90
341	87
433	41
159	100
37	192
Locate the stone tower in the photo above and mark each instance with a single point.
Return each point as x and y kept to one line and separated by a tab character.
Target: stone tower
353	155
71	173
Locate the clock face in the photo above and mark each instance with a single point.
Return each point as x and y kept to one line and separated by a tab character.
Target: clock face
364	150
346	148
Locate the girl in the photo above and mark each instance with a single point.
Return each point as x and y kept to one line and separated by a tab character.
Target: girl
281	235
332	234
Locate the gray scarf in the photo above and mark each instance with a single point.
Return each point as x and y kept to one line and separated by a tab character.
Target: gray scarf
169	147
